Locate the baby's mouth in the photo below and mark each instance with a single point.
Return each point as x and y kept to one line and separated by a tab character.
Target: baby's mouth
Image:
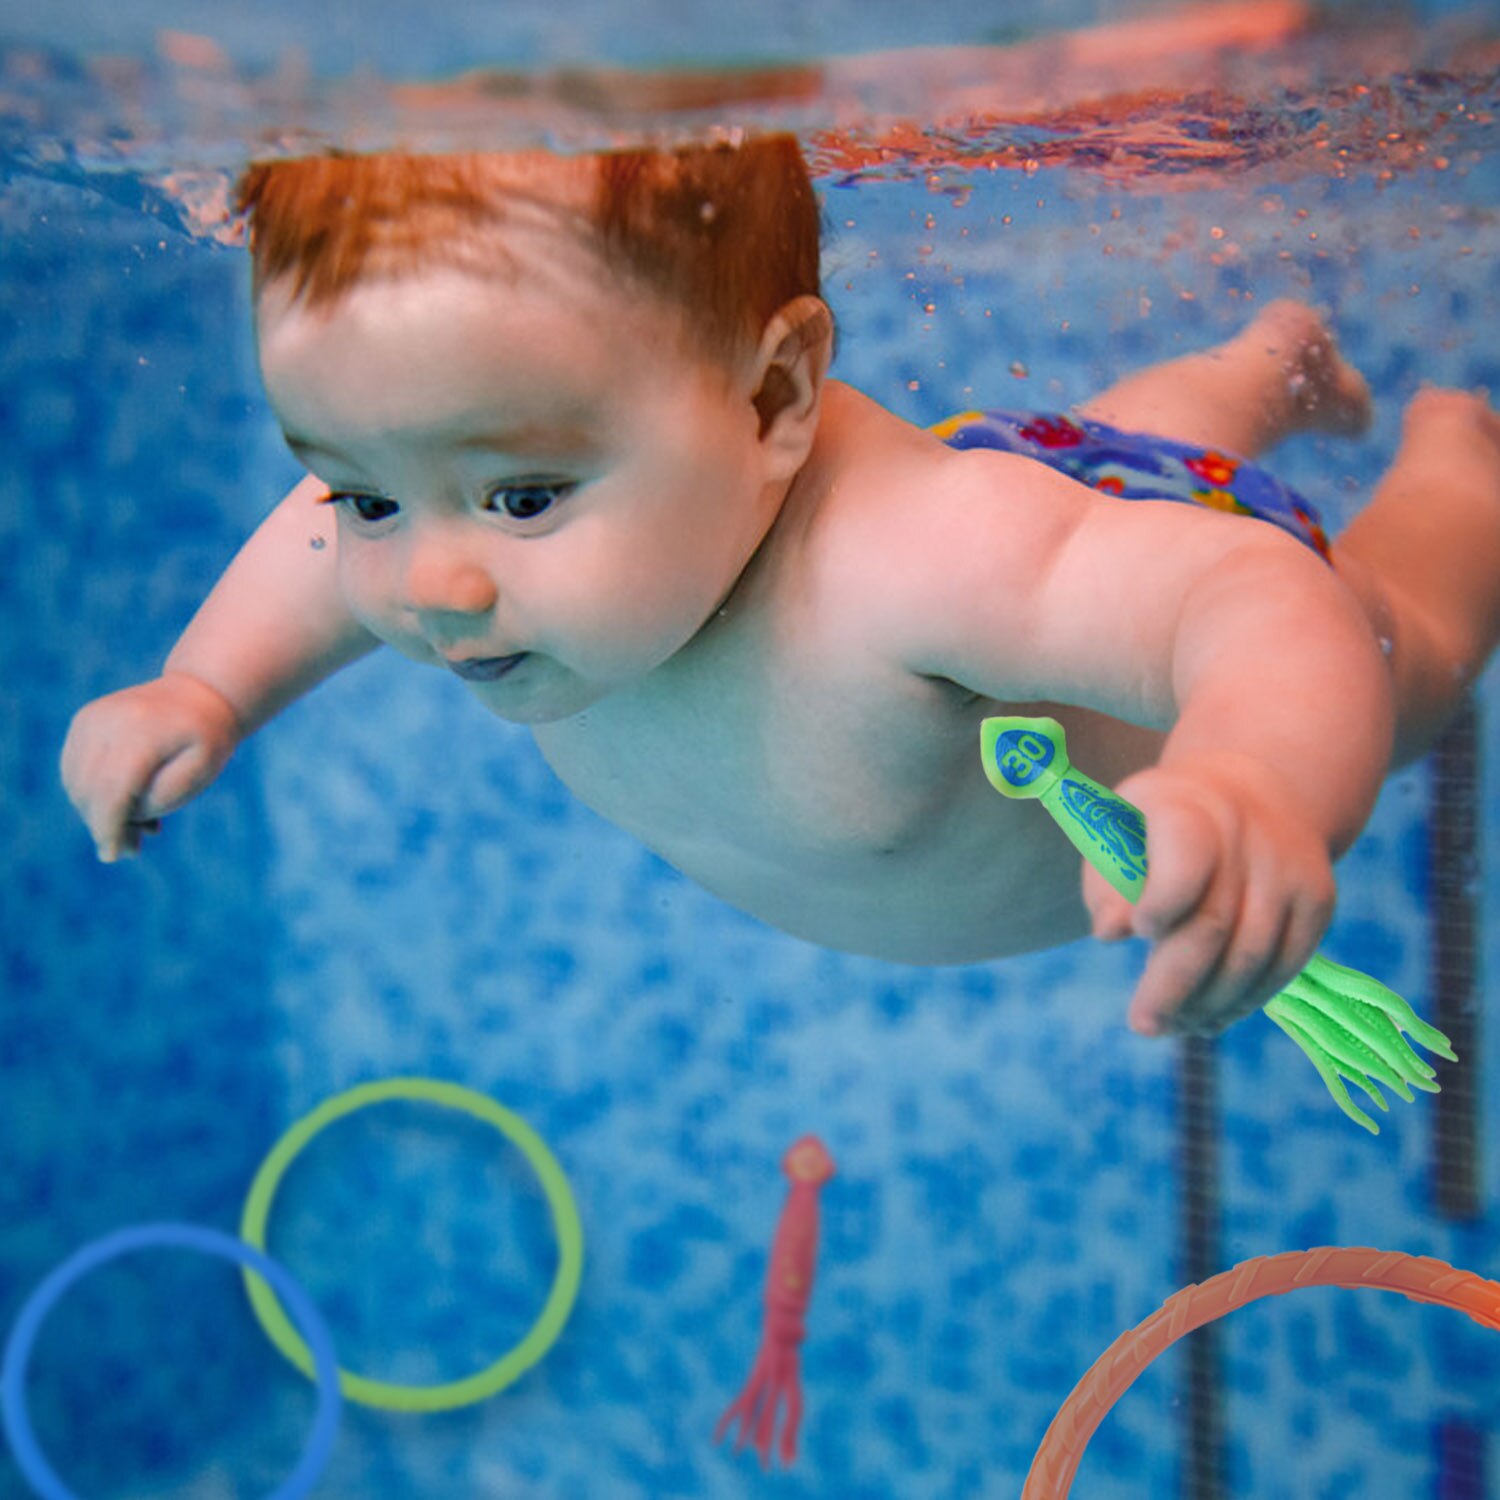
485	668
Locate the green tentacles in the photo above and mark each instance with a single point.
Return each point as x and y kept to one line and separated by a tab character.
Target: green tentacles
1349	1025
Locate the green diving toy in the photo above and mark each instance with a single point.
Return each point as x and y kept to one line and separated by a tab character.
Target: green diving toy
1349	1025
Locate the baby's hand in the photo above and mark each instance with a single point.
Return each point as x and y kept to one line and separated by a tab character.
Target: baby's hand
1239	893
133	756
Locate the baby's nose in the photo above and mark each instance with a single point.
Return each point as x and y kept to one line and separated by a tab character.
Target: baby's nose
442	580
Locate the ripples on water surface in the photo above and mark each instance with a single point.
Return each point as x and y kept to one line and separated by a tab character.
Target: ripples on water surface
1264	91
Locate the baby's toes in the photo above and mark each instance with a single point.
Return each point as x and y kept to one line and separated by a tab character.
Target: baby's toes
1440	410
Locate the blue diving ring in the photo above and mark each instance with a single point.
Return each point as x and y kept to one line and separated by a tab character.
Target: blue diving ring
17	1420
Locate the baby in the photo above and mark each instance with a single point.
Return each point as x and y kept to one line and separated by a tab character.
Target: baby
570	436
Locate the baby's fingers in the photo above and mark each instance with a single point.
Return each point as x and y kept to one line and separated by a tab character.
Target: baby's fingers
1251	968
135	832
1110	914
1178	966
166	787
1190	907
105	788
1269	951
1184	846
177	780
116	830
1264	935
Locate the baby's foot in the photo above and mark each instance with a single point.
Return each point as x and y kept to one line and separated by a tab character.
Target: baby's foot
1328	393
1449	464
1455	423
1452	439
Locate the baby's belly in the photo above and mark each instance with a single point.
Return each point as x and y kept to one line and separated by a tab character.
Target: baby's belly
852	854
1014	894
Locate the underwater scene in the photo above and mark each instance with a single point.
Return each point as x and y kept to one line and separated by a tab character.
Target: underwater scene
525	1117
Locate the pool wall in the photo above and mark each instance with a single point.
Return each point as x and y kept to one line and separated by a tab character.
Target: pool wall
387	881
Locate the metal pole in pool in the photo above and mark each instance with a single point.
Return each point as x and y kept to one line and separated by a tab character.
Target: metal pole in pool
1458	1442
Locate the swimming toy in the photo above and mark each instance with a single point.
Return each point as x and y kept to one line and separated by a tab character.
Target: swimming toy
29	1456
1417	1277
775	1377
542	1334
1349	1025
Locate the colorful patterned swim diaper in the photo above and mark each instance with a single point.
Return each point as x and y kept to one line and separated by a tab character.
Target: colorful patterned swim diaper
1138	466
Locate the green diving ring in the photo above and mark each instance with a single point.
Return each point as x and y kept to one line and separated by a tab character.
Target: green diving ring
565	1222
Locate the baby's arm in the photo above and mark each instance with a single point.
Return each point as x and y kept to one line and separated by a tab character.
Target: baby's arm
1284	733
274	626
1247	648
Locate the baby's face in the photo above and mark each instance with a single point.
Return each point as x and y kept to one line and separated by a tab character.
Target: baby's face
537	487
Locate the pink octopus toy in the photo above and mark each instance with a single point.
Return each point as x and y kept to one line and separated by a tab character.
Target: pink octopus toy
794	1252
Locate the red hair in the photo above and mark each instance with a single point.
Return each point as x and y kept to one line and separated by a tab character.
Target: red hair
728	233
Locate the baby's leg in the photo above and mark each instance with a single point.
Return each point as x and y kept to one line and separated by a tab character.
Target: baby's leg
1282	374
1424	559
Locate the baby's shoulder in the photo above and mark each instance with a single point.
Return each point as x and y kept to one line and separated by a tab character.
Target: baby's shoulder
929	512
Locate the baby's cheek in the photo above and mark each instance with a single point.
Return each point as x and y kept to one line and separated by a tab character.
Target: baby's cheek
353	595
370	604
619	646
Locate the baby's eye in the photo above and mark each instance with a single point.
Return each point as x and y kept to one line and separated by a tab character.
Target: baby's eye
526	501
367	507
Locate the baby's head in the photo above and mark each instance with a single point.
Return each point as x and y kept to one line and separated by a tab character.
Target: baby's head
724	235
559	400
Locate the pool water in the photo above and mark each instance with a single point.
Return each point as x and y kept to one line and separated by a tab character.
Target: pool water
386	881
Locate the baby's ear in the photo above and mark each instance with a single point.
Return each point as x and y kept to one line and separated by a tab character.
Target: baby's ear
790	366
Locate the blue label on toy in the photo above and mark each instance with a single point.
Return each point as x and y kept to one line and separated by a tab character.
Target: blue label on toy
1111	822
1021	755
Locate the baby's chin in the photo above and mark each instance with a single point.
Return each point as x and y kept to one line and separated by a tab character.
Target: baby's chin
545	702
